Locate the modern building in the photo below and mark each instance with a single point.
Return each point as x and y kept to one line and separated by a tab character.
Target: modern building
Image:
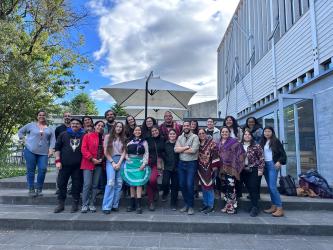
275	63
202	109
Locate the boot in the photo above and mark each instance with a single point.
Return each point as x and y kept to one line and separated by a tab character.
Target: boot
60	207
39	192
131	206
138	208
75	206
278	212
271	210
32	192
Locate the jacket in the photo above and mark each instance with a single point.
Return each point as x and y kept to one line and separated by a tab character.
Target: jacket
170	157
255	156
279	155
89	150
216	134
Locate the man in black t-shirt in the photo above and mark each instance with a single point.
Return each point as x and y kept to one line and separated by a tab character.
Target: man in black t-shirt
68	160
64	126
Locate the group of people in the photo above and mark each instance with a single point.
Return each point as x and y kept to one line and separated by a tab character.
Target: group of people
118	157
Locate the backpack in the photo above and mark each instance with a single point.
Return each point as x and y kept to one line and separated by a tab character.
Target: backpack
313	180
287	186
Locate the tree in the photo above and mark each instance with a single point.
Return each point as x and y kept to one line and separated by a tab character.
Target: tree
82	104
120	111
37	58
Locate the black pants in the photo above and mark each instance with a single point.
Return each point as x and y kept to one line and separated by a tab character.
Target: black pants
76	174
172	176
252	182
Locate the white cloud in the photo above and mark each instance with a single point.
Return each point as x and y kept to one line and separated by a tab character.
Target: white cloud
174	38
101	95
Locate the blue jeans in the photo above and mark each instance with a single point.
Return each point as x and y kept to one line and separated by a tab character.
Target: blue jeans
208	197
90	185
186	173
113	185
32	160
271	175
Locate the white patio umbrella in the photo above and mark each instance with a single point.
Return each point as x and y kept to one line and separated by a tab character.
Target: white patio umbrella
157	112
152	92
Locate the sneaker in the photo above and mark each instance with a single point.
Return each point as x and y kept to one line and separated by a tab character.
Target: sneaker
184	209
151	207
84	209
202	209
173	208
32	192
106	211
254	212
39	192
190	211
92	209
164	198
139	210
115	209
209	210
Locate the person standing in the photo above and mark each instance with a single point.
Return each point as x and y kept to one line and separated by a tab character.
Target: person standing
275	157
68	158
168	124
110	117
92	164
232	157
136	172
235	131
147	125
39	145
156	151
255	128
187	146
170	174
88	124
253	170
208	164
194	127
63	127
213	131
130	124
114	151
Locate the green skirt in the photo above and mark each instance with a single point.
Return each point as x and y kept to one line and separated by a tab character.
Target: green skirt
131	173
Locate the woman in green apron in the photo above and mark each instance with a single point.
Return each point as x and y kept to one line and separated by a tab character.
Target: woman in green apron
136	173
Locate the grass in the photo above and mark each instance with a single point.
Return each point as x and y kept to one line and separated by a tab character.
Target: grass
7	171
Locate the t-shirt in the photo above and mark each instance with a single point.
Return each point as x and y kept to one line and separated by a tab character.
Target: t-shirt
70	149
59	130
268	152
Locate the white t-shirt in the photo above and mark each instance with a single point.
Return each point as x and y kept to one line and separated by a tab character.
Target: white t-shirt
245	146
268	154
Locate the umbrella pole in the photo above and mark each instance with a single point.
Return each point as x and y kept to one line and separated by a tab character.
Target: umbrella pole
146	94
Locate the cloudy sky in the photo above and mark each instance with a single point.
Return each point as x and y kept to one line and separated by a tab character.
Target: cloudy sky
177	39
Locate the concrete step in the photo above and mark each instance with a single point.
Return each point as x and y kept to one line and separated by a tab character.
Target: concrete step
39	217
20	197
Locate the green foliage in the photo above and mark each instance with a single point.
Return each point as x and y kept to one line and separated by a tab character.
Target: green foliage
36	59
7	171
120	111
82	104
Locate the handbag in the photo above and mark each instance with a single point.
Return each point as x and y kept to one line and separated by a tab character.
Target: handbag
287	185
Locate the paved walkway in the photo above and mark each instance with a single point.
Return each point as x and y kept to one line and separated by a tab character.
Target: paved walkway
167	241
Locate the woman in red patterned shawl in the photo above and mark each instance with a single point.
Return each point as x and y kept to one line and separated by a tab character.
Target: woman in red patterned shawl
232	156
208	163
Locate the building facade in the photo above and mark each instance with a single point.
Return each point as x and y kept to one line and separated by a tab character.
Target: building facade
275	63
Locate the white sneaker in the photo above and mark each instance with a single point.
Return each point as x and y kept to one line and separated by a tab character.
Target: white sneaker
84	209
92	209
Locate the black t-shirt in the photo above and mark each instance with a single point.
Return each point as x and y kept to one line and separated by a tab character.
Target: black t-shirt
70	149
59	130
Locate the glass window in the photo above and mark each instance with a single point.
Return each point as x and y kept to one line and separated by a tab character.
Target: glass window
289	143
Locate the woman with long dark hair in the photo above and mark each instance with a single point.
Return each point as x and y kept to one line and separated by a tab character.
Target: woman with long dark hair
88	124
114	151
275	157
195	127
156	151
92	164
255	128
130	124
39	145
136	172
235	130
208	163
253	171
232	157
147	125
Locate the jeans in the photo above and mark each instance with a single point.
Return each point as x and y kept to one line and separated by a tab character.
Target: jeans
65	173
169	175
31	161
186	173
90	184
208	197
271	175
113	185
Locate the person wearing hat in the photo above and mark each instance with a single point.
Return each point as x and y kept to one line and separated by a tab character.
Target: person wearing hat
68	160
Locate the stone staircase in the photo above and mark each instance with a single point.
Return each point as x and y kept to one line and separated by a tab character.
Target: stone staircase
303	216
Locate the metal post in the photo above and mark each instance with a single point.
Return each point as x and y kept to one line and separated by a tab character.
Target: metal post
146	94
